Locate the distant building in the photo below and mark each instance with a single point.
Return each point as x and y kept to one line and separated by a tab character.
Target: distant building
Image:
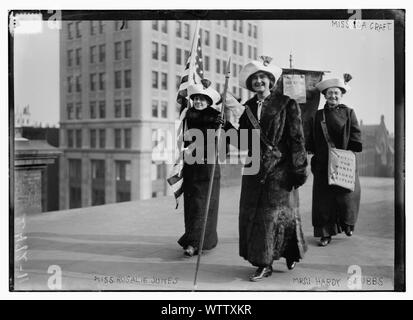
119	81
377	157
50	174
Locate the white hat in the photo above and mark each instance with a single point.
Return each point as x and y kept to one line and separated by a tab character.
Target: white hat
336	83
254	66
205	89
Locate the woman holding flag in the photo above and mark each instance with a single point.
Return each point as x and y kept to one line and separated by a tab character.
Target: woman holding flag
203	115
269	221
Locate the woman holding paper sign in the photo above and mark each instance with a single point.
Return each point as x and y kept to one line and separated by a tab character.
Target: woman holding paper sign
334	208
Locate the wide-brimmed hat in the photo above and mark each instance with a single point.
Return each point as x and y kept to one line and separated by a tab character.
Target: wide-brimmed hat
335	83
273	71
204	88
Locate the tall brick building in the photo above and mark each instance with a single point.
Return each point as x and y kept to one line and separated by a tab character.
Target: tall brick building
118	99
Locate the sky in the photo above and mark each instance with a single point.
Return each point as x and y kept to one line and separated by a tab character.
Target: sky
366	54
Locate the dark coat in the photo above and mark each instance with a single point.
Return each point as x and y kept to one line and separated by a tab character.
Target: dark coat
195	185
333	207
269	219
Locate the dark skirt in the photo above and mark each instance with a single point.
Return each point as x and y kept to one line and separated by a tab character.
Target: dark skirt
196	182
333	208
269	223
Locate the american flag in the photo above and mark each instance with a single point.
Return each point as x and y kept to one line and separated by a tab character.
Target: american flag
193	73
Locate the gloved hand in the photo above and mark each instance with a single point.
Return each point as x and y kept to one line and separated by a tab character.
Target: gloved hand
219	120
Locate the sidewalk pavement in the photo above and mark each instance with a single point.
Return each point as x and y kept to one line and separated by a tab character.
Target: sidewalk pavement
132	246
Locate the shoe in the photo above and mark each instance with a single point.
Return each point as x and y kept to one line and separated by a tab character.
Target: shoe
262	272
348	231
324	241
190	251
290	264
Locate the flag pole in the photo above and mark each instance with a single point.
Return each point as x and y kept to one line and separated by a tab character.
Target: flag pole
211	178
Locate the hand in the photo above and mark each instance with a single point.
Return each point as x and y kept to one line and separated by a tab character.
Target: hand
219	121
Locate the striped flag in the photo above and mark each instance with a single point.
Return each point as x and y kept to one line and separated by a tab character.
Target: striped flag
193	73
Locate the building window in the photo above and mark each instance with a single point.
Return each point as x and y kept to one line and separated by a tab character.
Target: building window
218	66
186	56
154	79
218	87
234	90
78	110
102	81
93	82
118	79
123	180
118	108
164	52
240	48
78	138
240	93
178	56
164	109
255	32
128	138
206	37
70	138
69	31
101	27
102	138
102	109
239	69
234	46
78	83
186	31
92	136
93	109
155	24
155	50
240	25
164	26
78	33
234	69
155	108
234	25
255	53
92	53
249	52
249	30
98	182
178	82
218	41
69	58
225	23
128	79
92	28
224	66
69	109
102	53
118	50
178	29
118	139
128	48
78	56
69	84
128	108
224	43
164	81
75	181
206	65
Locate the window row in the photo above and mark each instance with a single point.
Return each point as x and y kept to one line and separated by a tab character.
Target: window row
95	27
238	25
97	138
155	51
97	109
97	172
163	81
181	29
159	109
